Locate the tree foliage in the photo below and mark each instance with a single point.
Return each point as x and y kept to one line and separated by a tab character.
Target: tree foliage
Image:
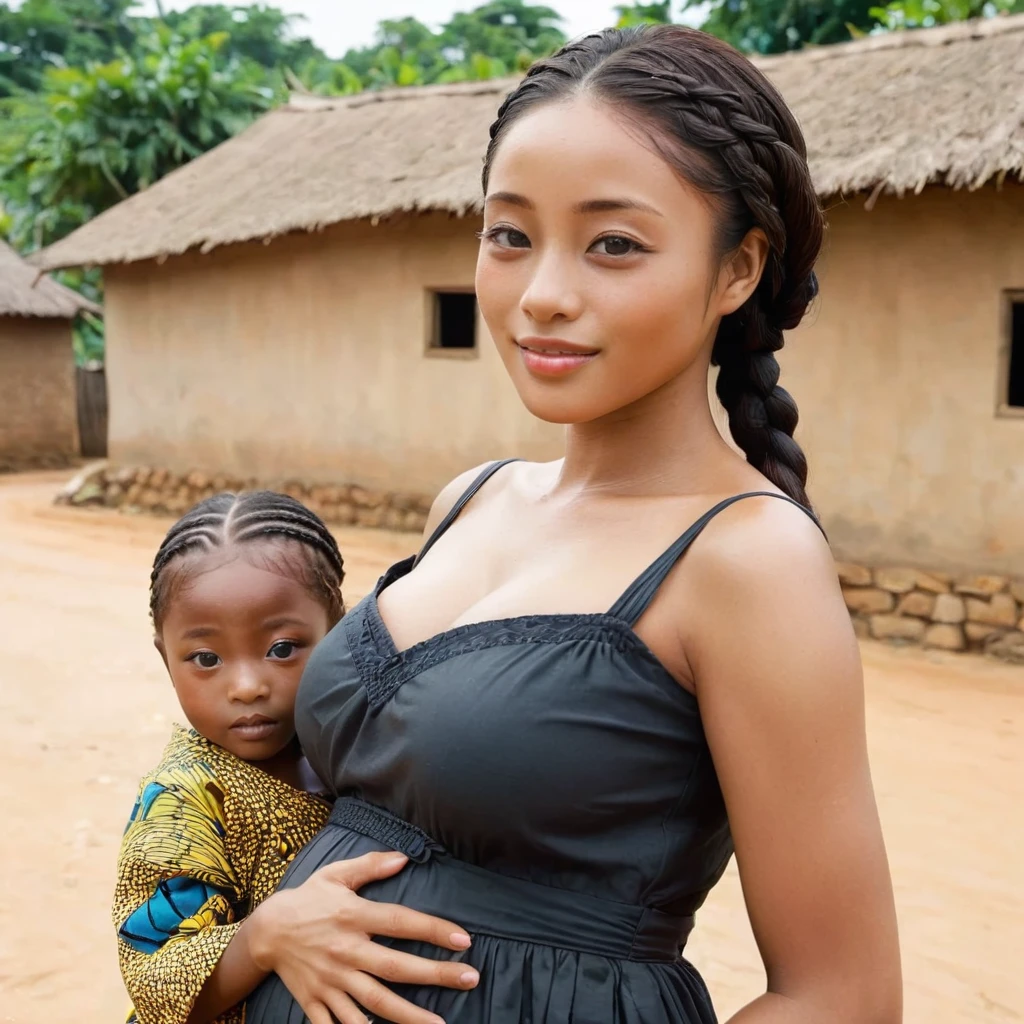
44	34
643	14
112	129
95	135
258	33
774	26
498	38
903	14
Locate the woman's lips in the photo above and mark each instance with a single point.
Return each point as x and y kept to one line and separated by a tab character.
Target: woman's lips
552	357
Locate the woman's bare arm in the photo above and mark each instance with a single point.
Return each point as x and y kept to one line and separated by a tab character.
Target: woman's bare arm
779	681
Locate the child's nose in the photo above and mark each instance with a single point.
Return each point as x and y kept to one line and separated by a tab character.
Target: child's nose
248	684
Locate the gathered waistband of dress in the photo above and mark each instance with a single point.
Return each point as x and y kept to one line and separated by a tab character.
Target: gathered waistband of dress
487	903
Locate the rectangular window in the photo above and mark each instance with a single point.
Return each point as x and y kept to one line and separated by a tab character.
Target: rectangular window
452	322
1014	397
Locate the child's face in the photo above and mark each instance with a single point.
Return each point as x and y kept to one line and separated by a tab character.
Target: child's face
235	638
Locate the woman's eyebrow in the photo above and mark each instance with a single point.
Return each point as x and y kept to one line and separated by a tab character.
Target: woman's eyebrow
606	205
584	207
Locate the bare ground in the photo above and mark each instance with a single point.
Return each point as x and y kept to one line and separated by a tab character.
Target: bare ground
85	709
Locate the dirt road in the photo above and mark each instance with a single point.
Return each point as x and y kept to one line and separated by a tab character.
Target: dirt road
85	709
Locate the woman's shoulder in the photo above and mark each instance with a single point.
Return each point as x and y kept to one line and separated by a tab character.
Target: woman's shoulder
760	540
761	578
455	489
449	495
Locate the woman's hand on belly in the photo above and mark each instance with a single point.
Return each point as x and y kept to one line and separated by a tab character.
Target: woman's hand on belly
318	939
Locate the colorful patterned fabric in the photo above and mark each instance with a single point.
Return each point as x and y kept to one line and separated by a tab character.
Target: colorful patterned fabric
209	838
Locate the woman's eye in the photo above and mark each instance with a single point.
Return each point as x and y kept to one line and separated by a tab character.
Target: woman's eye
282	650
508	238
616	245
205	659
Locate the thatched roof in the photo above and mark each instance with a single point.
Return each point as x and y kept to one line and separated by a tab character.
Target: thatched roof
894	112
25	291
900	111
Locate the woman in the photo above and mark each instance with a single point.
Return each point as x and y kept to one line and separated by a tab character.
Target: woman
565	746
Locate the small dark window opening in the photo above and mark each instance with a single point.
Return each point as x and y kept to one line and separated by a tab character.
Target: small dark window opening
1015	375
454	321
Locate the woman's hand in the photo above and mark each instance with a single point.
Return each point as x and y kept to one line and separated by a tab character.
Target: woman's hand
318	939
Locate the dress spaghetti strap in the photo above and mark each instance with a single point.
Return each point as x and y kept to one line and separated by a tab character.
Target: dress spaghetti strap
457	508
638	596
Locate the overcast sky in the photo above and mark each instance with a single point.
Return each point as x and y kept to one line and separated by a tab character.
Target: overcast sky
336	25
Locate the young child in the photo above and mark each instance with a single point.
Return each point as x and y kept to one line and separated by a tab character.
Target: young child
242	589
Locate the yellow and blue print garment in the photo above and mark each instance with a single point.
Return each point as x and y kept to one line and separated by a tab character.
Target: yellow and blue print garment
209	838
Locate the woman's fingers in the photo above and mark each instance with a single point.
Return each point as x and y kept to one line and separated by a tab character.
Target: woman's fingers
386	918
397	922
319	1014
360	871
382	1002
404	968
346	1012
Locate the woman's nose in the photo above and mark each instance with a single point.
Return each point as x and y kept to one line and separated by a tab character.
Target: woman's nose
554	291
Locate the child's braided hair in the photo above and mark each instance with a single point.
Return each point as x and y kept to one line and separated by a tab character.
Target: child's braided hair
727	130
230	519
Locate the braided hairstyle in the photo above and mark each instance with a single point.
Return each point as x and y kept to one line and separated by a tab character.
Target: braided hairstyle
715	118
234	519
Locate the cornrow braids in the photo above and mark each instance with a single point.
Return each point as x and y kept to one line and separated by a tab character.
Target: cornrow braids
715	118
230	519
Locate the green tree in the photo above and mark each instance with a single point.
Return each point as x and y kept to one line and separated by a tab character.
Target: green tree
643	14
495	39
259	33
406	52
43	34
324	78
903	14
774	26
109	130
510	31
115	128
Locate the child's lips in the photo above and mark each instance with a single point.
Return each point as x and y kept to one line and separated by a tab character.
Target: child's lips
254	727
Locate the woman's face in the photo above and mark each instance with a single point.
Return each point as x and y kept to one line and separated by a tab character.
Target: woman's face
597	272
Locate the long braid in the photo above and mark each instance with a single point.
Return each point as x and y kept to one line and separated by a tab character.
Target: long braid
230	519
726	129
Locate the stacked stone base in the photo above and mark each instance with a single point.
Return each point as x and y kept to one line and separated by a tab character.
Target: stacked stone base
972	612
162	492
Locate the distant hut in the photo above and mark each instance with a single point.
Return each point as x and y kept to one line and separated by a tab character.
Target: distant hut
37	367
298	302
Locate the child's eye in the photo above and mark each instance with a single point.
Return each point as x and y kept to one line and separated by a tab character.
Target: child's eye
282	650
205	659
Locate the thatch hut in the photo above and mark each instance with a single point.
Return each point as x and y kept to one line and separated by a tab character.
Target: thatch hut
37	368
297	303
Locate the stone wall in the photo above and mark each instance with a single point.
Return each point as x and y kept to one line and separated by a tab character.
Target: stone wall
161	492
904	605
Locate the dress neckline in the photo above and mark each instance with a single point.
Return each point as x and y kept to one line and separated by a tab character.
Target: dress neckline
543	627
